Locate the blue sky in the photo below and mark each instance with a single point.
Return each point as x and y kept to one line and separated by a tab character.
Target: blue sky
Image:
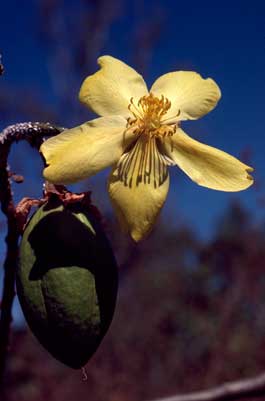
224	40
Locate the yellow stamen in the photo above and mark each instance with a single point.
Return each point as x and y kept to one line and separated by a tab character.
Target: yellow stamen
149	117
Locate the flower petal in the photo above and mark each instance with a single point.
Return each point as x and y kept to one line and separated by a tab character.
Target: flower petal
109	90
207	166
82	151
190	95
139	193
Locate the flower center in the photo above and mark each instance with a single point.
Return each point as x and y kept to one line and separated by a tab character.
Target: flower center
145	162
148	117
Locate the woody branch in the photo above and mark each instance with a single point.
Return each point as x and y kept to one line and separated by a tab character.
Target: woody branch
236	390
16	216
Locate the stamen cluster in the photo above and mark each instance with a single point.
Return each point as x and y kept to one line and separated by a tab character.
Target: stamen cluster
148	117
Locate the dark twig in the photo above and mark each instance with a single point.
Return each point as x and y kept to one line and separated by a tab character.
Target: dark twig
33	133
1	66
229	391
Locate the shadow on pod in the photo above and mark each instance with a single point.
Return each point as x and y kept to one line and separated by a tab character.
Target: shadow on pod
67	281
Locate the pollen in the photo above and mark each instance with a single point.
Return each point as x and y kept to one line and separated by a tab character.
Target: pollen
149	117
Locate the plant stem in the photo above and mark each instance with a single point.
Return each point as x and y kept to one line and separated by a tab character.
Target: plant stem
33	133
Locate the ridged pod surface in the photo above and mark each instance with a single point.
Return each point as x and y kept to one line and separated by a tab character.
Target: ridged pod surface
67	281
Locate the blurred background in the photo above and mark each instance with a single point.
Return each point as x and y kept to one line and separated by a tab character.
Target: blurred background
191	303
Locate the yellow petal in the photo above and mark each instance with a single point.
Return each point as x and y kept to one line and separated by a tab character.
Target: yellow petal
139	193
207	166
109	90
190	95
82	151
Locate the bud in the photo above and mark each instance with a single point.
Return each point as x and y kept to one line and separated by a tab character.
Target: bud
67	281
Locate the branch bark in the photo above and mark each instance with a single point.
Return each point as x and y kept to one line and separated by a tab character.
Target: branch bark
33	133
236	390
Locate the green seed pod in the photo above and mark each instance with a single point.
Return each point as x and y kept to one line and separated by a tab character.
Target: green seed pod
67	281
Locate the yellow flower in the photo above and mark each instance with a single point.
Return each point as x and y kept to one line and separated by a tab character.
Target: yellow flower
139	135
